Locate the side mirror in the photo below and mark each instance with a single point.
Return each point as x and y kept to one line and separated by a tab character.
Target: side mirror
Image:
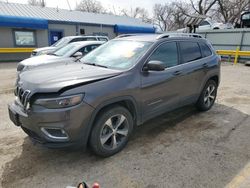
154	66
77	55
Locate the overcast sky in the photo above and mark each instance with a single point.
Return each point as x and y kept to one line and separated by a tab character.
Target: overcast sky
108	4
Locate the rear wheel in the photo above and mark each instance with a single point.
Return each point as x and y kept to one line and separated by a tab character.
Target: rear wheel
208	96
111	131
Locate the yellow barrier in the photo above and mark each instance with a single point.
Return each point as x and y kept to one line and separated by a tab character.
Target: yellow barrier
16	50
236	53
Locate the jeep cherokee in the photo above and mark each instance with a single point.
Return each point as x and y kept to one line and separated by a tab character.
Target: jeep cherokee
123	83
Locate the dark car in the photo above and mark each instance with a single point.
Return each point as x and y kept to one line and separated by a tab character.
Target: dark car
119	85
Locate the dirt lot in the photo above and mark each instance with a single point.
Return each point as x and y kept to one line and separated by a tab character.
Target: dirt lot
179	149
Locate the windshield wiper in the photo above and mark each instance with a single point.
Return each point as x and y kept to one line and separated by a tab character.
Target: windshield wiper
97	65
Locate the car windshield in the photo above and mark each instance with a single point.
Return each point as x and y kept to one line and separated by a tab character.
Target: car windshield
67	50
117	54
61	42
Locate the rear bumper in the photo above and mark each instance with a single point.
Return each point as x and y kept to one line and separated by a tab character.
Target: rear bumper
72	122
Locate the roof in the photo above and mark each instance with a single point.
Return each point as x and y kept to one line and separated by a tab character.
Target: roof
85	43
63	15
155	37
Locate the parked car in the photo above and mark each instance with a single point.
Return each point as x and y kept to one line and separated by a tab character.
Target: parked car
71	51
64	41
209	24
120	85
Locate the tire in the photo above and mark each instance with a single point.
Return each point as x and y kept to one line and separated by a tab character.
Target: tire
111	131
207	96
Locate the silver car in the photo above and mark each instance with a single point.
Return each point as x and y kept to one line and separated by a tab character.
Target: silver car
64	41
72	51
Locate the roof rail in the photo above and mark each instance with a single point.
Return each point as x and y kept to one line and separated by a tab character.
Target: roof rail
167	35
125	35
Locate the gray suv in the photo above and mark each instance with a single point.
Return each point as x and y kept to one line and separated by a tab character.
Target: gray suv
123	83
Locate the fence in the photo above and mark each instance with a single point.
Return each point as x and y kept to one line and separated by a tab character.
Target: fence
229	39
230	42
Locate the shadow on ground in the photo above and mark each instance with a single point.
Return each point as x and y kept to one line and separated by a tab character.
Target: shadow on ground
183	148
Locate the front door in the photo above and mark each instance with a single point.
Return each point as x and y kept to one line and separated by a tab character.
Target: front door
160	90
55	36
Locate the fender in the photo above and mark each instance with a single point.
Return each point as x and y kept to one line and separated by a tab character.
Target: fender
107	103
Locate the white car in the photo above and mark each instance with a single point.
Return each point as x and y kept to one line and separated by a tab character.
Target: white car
64	41
209	24
70	52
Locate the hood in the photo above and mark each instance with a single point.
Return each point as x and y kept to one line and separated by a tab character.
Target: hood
42	59
56	77
50	48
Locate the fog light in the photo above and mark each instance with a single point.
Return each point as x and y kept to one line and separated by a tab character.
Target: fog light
55	133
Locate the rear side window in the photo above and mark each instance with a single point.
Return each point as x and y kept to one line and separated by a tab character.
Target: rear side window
83	39
103	39
78	39
205	50
166	53
190	51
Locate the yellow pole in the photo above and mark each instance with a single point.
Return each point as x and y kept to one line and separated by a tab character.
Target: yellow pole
236	55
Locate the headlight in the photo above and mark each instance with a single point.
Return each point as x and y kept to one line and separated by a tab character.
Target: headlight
61	102
43	52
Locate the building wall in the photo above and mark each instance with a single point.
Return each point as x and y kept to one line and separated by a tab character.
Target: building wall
42	37
6	38
91	30
68	30
7	41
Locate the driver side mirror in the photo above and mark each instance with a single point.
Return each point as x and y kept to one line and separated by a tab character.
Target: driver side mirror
77	55
154	66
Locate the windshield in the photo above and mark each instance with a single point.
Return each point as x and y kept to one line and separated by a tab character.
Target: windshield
67	50
117	54
61	42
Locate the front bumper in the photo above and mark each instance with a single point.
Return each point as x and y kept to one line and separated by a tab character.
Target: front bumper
73	122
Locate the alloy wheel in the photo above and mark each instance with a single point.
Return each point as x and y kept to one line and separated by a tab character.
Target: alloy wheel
114	132
209	96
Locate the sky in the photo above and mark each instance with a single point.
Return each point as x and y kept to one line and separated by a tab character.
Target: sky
108	4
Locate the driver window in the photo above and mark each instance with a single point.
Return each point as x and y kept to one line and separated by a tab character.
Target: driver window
167	53
87	49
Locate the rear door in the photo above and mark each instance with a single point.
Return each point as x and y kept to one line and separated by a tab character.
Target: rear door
193	70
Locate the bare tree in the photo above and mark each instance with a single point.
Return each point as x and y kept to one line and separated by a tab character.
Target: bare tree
202	6
138	12
230	10
170	16
90	6
41	3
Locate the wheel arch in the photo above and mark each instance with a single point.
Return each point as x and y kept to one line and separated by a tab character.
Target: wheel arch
214	77
126	101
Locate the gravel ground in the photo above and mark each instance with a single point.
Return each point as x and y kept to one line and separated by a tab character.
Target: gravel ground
7	76
183	148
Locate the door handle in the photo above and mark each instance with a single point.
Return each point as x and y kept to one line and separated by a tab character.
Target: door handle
177	73
205	65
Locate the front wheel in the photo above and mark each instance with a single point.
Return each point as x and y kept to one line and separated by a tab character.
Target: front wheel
208	96
111	131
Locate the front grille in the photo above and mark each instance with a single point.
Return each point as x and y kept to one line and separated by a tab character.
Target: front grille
23	96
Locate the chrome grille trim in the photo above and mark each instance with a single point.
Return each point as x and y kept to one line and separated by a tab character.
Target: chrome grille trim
23	96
